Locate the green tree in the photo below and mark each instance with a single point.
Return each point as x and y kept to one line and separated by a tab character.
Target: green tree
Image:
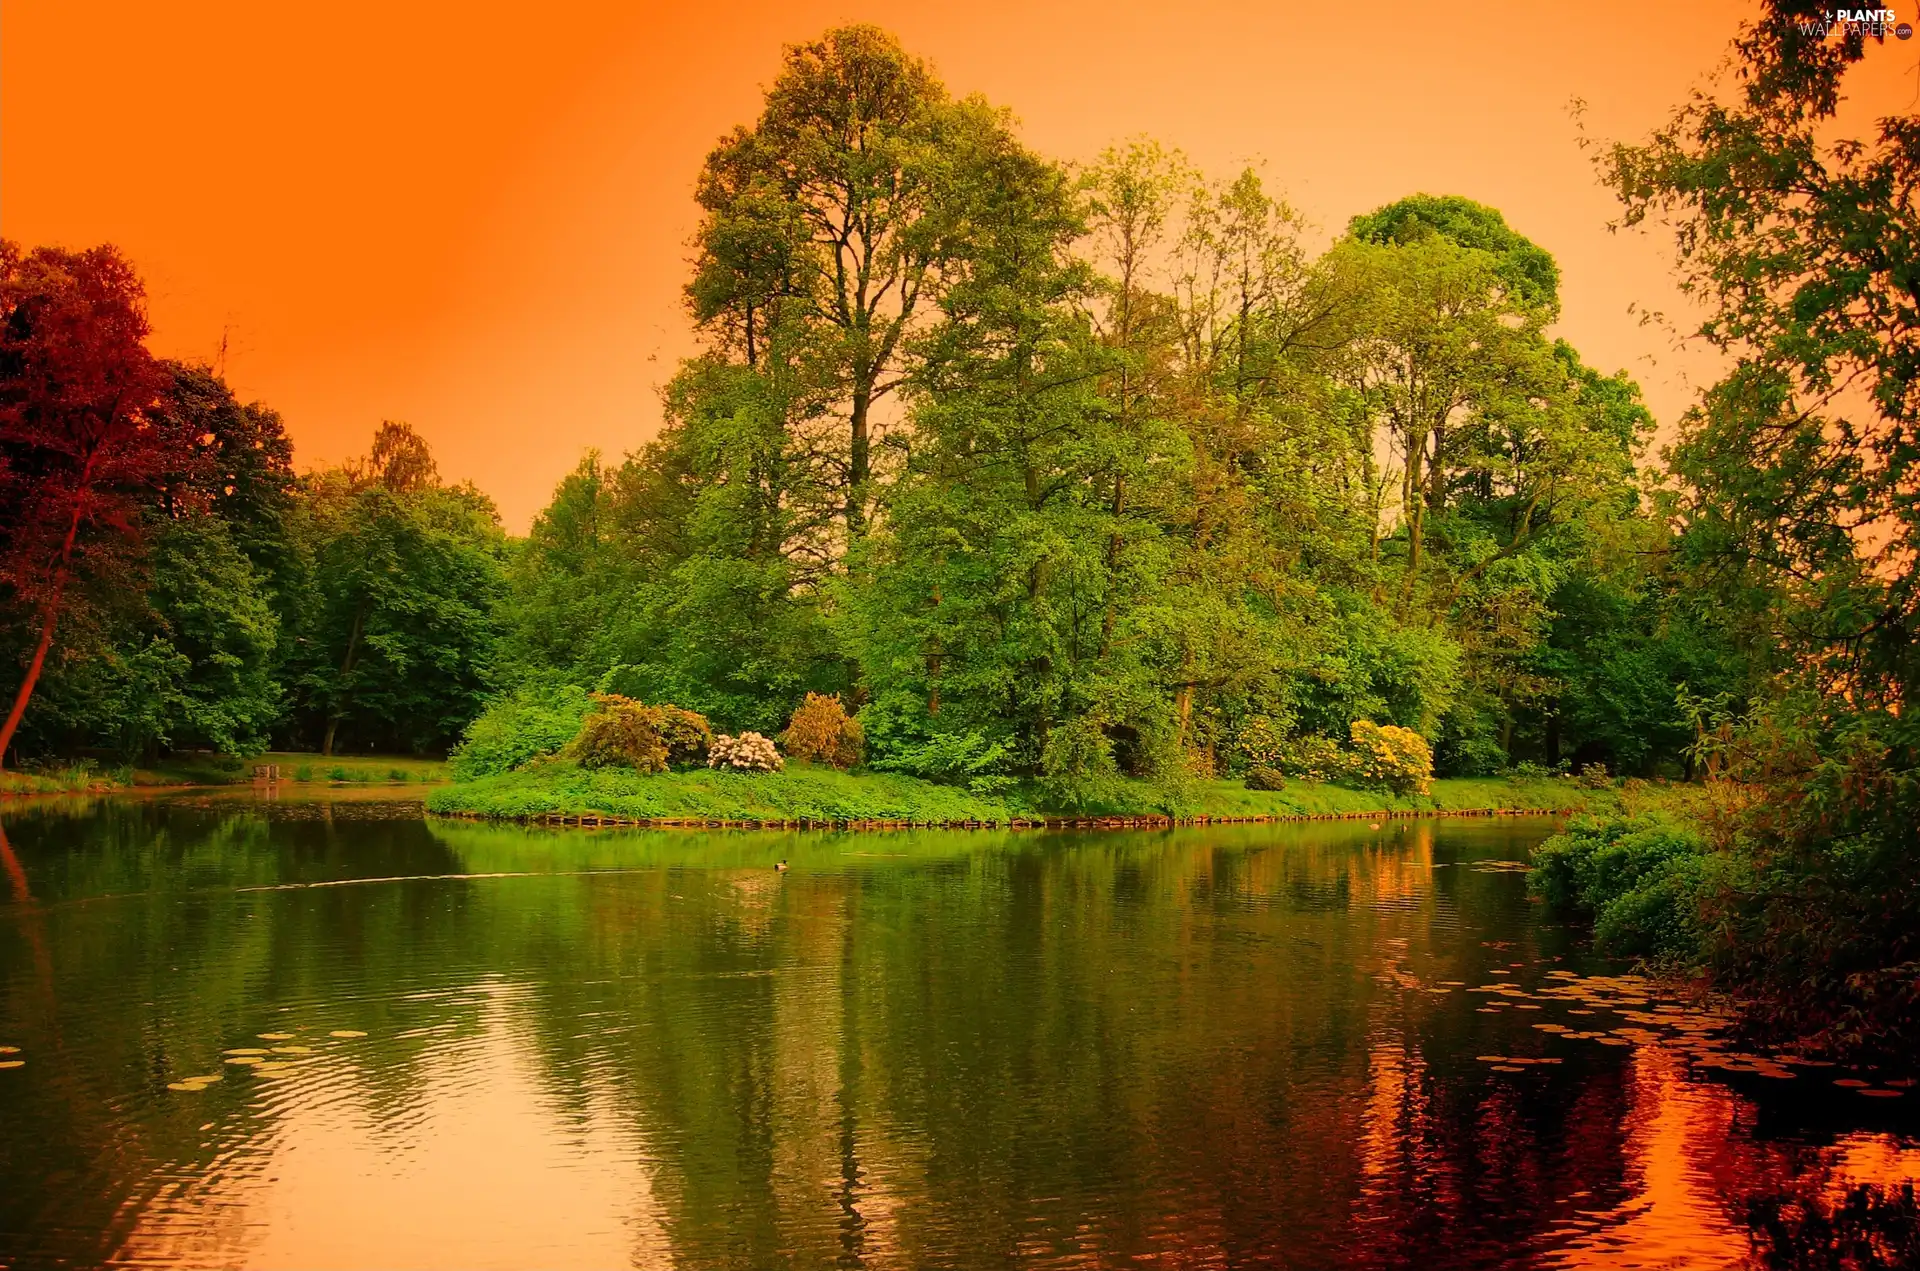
832	225
1796	474
398	624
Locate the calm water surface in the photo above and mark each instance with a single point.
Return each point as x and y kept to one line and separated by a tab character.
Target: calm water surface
1316	1046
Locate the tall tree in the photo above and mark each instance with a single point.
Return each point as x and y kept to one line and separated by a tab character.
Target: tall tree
79	438
838	216
1797	474
398	626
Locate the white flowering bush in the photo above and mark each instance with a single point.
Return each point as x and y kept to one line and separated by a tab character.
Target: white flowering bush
749	752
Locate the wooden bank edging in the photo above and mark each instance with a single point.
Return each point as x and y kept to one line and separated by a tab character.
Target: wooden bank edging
593	820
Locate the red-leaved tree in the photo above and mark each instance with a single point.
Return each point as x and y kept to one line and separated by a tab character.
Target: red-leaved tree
79	440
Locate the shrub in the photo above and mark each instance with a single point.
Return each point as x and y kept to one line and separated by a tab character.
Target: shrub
1260	742
623	733
1263	777
1594	776
1314	758
1391	756
956	759
1077	767
1641	879
687	734
522	725
749	752
821	731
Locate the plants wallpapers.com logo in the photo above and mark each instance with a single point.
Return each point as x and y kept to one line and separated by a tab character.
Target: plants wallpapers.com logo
1875	23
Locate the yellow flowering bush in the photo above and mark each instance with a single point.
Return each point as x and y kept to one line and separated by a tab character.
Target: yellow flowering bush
1391	756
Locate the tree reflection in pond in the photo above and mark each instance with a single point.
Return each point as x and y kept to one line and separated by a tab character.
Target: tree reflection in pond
1254	1046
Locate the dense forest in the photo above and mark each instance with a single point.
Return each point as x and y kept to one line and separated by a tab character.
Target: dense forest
1074	470
1067	473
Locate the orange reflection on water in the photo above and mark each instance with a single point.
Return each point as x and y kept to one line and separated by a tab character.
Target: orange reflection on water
1675	1216
480	1166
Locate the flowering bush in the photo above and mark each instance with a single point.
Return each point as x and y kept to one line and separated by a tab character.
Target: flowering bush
821	731
1314	758
1391	756
1260	741
622	733
749	752
1265	777
686	733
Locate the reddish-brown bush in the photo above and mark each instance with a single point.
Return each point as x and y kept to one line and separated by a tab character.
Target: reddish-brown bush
821	731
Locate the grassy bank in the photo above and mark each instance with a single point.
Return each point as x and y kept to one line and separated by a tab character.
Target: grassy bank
799	793
79	778
226	770
822	794
220	770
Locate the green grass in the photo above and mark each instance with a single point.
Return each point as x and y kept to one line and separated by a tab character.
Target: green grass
822	794
799	793
76	778
1449	794
217	770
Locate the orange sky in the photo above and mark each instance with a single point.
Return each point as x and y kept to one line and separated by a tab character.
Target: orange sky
473	216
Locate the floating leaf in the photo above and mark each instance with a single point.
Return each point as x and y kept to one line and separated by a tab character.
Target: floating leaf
9	1050
273	1070
293	1050
244	1061
12	1063
185	1085
1852	1083
245	1050
346	1032
1882	1094
1507	1068
274	1037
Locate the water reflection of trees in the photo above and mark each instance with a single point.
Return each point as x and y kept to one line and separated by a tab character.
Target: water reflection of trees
912	1049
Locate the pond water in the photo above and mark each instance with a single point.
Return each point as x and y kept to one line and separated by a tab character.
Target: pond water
303	1033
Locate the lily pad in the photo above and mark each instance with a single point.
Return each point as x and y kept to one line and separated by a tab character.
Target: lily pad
346	1032
12	1063
274	1037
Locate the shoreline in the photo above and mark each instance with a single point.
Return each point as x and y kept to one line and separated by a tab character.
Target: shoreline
596	821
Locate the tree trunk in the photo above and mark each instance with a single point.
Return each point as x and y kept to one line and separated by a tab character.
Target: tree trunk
21	698
1113	566
346	668
858	463
50	615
